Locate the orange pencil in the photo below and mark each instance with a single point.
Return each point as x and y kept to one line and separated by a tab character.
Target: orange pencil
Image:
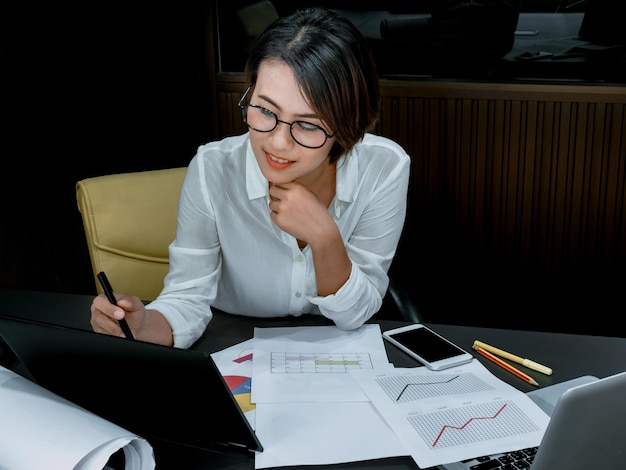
510	368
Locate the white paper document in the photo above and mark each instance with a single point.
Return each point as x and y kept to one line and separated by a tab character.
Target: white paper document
322	434
39	429
309	409
306	433
312	363
454	414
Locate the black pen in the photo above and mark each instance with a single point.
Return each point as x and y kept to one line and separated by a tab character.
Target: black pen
108	291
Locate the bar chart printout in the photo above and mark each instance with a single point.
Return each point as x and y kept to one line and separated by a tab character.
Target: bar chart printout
311	363
455	414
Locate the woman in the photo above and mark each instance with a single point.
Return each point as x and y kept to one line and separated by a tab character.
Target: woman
300	215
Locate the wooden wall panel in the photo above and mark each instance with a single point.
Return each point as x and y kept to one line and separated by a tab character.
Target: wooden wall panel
540	181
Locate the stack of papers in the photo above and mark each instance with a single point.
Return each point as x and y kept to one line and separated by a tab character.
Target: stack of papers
320	395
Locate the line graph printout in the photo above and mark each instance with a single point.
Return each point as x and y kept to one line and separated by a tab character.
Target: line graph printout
471	424
452	415
407	388
312	364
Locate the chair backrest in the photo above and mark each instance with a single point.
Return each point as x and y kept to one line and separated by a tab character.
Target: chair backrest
129	221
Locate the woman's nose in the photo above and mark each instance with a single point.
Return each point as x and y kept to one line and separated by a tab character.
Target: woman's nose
281	135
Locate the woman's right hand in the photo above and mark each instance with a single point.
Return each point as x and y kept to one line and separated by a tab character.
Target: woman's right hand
105	316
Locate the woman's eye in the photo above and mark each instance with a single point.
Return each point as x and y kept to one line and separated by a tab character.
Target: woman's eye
307	126
266	112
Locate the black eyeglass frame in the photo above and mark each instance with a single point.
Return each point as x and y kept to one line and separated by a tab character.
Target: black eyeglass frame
244	111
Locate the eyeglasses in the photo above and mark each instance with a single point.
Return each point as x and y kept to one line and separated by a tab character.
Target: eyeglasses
260	119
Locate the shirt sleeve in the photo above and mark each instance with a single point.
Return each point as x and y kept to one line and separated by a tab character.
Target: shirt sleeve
195	263
372	241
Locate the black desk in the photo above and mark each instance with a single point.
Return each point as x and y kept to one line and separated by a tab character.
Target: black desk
569	355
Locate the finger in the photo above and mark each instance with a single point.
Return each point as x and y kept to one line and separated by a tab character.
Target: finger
101	323
273	205
128	304
276	191
102	305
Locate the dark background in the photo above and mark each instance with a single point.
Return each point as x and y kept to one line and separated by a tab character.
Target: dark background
89	88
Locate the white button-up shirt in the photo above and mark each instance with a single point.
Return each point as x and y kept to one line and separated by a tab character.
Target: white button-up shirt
229	254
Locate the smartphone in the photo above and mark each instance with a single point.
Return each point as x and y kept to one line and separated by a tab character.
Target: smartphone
427	347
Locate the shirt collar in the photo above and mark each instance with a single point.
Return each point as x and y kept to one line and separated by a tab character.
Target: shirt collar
347	177
256	183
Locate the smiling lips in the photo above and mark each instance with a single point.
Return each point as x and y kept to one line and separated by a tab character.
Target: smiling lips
277	163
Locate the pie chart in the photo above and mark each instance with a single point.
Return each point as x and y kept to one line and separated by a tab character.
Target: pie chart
241	386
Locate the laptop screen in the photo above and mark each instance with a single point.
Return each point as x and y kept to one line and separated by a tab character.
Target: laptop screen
157	392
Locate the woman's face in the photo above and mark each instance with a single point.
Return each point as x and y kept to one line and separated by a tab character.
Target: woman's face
279	156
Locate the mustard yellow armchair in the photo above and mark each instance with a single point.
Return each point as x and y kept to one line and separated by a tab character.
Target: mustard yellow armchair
129	221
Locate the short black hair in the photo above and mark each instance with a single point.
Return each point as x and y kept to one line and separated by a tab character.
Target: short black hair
333	65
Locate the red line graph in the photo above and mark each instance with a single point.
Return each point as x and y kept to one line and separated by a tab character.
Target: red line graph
443	429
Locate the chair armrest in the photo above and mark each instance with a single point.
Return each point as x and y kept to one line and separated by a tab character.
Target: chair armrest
403	302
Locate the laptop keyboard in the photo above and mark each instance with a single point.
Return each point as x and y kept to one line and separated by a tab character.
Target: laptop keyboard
515	460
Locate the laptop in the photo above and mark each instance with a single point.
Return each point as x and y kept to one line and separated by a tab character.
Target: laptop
174	395
586	429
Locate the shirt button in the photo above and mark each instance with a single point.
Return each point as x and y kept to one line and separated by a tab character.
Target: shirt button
298	294
299	258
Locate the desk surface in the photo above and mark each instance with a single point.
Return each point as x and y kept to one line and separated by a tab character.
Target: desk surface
569	355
